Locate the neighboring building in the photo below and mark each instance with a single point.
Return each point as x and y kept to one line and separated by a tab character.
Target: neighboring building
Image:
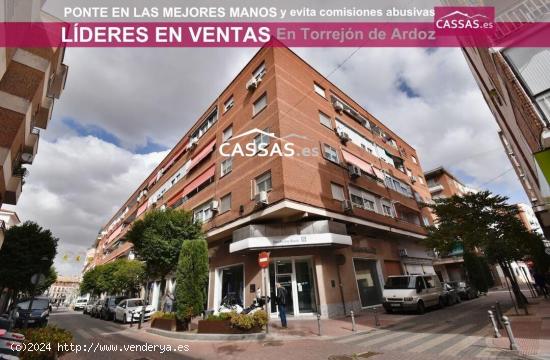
336	222
89	260
64	290
30	80
7	219
515	83
442	184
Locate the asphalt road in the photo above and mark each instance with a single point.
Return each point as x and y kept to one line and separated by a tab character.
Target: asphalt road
455	332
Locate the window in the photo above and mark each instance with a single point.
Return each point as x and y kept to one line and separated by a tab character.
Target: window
421	179
387	208
259	104
226	167
259	73
362	199
228	104
325	120
261	141
409	172
225	203
227	133
203	213
414	159
319	90
337	192
426	221
331	154
206	124
262	183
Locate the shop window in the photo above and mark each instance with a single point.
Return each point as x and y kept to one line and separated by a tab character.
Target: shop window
368	283
232	284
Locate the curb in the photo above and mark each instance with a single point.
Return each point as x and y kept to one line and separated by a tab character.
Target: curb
215	337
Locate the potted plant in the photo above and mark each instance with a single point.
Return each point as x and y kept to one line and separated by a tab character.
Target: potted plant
216	324
164	321
54	342
232	323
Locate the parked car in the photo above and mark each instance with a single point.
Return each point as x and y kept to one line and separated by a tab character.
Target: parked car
465	290
132	307
412	292
97	308
89	306
38	314
450	295
80	304
107	312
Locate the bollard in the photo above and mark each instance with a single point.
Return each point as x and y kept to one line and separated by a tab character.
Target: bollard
141	316
352	320
131	318
498	315
319	324
493	321
508	327
376	320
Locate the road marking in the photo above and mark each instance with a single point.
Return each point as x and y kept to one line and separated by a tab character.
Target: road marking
464	343
392	336
375	332
441	338
418	337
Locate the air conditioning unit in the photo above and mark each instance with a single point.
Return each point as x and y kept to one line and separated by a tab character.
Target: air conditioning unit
403	253
252	84
261	198
344	137
26	158
413	179
192	144
354	171
338	106
215	205
346	206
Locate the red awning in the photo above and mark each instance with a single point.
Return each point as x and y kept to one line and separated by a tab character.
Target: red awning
195	183
361	164
174	159
142	208
152	182
379	174
202	154
114	234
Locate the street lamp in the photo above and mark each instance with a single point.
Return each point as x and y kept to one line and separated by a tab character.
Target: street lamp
35	280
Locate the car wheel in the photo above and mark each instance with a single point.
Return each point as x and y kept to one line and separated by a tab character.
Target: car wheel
420	308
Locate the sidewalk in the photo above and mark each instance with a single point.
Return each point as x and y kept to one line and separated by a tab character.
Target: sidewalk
532	332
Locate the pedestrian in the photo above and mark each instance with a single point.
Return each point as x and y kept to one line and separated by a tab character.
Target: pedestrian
168	302
281	303
540	282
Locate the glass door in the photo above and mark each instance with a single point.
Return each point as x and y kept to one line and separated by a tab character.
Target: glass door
305	287
366	274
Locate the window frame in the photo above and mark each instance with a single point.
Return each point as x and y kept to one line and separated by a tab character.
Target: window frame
325	152
229	161
259	72
203	209
229	102
339	187
317	87
226	196
225	138
258	99
322	116
260	179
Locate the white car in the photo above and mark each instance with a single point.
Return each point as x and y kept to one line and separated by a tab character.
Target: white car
412	292
80	304
132	307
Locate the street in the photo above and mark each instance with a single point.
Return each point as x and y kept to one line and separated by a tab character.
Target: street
454	332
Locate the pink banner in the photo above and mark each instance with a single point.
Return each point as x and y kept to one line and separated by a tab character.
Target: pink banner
442	33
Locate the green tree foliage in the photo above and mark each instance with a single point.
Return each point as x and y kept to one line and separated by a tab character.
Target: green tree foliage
477	269
158	238
28	249
484	224
191	280
118	277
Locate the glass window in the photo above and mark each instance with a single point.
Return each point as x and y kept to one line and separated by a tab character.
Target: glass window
206	124
400	282
325	120
225	203
331	154
203	213
368	283
533	66
263	183
232	285
544	102
261	141
414	159
259	72
226	166
319	90
228	104
259	104
337	192
363	199
227	133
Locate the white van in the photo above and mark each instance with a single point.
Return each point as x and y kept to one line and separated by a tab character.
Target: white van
412	292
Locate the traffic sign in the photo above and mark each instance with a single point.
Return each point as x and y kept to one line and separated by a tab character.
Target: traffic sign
263	259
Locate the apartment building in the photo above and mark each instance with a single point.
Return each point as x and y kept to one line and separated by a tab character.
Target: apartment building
515	82
443	184
338	214
64	290
8	219
30	80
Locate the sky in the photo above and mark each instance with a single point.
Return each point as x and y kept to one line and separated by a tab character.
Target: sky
123	109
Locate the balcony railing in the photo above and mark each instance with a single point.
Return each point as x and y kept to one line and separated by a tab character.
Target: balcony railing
436	188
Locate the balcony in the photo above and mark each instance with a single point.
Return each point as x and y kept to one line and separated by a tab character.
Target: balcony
44	113
57	84
435	188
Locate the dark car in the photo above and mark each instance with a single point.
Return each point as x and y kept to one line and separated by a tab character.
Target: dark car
107	311
465	290
38	314
450	295
95	311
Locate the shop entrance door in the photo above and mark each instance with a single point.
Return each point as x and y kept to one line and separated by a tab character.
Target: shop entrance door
296	276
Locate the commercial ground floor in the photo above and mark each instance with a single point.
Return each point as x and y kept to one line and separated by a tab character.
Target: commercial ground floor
327	267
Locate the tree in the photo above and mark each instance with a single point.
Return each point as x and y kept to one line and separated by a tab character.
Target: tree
28	249
158	238
89	284
118	277
483	224
191	280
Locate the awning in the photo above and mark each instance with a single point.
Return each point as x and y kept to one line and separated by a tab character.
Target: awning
114	234
354	160
301	240
202	154
152	182
142	208
174	158
195	183
379	174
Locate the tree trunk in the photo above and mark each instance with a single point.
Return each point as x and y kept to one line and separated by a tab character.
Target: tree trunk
521	300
